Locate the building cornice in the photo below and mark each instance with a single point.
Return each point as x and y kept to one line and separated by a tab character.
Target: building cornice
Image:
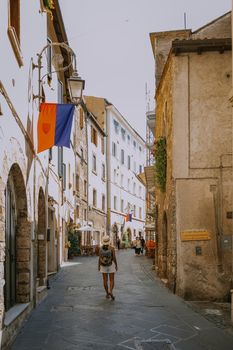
201	45
198	46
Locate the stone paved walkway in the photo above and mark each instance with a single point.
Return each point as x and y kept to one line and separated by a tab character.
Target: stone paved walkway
76	315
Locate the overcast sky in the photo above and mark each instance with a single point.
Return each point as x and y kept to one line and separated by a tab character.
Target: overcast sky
111	40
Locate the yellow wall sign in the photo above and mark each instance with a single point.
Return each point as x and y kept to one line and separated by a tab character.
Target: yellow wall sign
195	235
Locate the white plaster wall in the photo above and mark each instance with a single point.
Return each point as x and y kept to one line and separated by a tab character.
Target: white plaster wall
121	191
95	180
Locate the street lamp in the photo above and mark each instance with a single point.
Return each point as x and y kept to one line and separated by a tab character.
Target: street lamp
76	86
75	83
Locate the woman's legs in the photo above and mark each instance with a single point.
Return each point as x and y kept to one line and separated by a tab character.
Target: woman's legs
105	281
111	277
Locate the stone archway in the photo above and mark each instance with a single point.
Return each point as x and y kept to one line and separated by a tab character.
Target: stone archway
164	245
17	239
41	240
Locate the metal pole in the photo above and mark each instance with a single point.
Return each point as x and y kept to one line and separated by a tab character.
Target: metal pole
185	24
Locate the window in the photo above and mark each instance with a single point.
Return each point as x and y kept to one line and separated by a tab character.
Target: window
77	211
114	149
85	214
60	92
122	180
140	148
114	176
103	202
140	213
77	183
103	171
60	161
85	187
122	205
64	176
116	126
129	162
134	210
134	188
115	202
94	136
134	144
102	145
14	29
82	155
122	156
50	154
123	134
140	168
94	197
128	137
140	191
94	163
81	118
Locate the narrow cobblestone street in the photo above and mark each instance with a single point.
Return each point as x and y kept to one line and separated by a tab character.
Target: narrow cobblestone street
76	315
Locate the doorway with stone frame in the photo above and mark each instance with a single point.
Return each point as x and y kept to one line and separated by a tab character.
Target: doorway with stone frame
17	269
41	240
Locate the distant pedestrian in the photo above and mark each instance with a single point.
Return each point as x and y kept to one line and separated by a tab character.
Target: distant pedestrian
142	245
107	257
118	243
138	246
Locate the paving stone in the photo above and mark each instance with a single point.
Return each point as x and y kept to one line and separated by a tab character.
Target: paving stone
76	314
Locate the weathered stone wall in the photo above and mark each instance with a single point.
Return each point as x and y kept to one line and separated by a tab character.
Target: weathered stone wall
166	201
161	44
202	170
194	115
200	274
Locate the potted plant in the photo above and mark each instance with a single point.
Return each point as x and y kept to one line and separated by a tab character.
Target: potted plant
73	249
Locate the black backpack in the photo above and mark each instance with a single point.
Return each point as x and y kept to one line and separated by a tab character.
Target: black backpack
105	256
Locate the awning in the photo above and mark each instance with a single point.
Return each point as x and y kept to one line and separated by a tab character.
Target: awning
86	229
150	227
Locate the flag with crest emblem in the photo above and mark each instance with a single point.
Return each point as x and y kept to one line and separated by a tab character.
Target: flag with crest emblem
54	125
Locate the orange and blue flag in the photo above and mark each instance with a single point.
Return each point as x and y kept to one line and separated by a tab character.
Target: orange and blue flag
54	125
128	217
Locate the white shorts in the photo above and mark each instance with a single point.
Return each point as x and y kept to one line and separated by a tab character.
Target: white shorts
107	269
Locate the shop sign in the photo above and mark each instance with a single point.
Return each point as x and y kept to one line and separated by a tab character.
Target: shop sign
195	235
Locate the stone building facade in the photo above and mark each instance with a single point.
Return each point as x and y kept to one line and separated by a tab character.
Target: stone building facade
36	204
194	117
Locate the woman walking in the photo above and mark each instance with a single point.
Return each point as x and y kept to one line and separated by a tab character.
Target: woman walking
107	257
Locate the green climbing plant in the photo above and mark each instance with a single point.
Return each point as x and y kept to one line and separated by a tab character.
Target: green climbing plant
161	163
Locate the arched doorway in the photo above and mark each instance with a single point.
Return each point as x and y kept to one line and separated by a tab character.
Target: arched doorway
164	245
17	239
41	240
